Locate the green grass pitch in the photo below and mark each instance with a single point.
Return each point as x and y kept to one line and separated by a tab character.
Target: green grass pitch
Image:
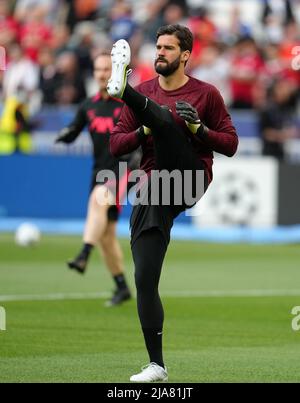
228	315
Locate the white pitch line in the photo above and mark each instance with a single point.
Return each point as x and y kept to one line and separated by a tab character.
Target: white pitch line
175	294
53	297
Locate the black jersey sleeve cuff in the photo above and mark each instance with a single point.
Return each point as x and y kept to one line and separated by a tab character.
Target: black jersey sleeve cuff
140	134
203	132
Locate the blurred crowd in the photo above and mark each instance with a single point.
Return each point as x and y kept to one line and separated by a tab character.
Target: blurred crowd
50	45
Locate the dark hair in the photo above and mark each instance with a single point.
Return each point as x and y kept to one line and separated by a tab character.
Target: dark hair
184	35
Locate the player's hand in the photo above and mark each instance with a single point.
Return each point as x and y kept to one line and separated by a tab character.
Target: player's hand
190	114
187	112
65	136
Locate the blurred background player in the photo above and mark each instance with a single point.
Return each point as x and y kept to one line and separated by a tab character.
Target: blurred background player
278	119
101	113
15	125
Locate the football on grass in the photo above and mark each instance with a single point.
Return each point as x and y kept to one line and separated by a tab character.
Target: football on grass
27	235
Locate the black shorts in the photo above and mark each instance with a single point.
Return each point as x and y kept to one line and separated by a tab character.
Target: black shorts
94	182
113	214
145	217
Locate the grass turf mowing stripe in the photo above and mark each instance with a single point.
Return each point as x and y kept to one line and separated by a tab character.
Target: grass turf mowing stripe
206	340
177	294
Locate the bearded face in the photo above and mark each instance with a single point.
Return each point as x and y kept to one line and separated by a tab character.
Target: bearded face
165	68
169	55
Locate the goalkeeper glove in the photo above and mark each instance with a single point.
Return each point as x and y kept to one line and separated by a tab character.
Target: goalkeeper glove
188	113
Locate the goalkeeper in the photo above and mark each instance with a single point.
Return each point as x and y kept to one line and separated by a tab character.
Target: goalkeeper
181	136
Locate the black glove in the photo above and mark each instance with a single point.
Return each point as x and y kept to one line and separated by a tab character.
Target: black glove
187	112
191	117
67	136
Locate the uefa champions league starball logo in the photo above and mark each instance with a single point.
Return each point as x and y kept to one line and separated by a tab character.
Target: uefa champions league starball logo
236	199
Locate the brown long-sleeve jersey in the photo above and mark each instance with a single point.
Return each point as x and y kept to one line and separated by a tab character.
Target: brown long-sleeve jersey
221	137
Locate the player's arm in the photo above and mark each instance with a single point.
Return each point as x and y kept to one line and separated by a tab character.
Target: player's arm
127	135
218	132
70	133
221	136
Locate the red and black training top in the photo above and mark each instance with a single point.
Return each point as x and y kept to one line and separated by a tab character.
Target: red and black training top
221	137
100	116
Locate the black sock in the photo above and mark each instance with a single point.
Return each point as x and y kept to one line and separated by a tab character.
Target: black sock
86	251
148	112
133	99
153	340
120	282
